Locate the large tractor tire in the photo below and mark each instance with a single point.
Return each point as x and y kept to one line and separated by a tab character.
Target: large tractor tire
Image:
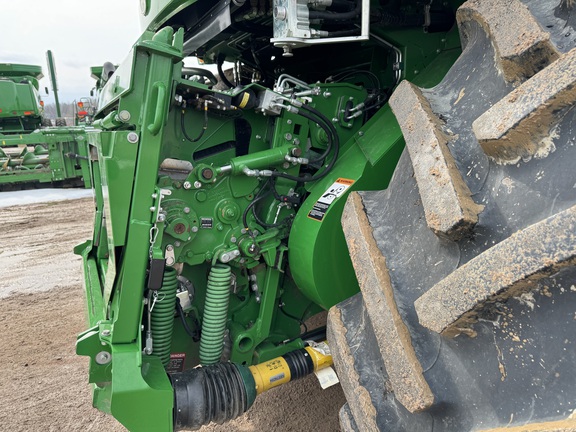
466	319
60	121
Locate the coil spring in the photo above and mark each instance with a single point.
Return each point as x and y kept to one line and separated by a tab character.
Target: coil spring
215	314
163	316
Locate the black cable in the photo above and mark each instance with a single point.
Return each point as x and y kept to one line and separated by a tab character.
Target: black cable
193	334
373	77
204	127
302	323
258	198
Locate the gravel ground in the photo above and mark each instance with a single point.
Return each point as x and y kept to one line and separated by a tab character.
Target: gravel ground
43	384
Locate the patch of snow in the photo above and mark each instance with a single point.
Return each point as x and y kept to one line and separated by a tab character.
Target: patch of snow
35	196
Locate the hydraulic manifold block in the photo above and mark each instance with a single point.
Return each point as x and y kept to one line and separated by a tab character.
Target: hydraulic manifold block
298	23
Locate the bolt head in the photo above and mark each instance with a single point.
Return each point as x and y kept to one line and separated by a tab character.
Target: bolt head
197	184
132	137
124	116
207	173
103	357
187	185
186	210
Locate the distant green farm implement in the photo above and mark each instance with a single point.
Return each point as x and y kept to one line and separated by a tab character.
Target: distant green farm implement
31	150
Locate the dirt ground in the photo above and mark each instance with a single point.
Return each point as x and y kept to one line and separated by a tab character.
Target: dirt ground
43	384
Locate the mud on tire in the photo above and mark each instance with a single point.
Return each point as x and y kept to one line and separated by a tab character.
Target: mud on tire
467	312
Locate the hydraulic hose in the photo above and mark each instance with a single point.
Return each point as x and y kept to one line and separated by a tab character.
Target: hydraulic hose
215	314
326	152
337	16
162	316
332	133
225	80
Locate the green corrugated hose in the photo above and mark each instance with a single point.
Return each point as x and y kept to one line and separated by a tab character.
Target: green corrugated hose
163	316
215	314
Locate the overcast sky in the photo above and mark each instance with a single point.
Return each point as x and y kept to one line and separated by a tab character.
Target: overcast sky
80	34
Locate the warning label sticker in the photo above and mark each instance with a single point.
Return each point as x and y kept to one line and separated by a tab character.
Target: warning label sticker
325	201
176	362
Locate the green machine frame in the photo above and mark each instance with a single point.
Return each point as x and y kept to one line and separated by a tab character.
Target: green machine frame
186	217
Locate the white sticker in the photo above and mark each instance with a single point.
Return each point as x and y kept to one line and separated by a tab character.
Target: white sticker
321	347
327	377
335	191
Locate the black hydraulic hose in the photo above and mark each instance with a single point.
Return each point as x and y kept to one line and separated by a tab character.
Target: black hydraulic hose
371	75
204	127
336	146
322	117
390	19
337	16
219	64
267	225
341	33
258	220
343	5
325	128
257	198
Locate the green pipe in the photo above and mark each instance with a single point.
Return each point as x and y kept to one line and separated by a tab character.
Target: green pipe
162	316
215	314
